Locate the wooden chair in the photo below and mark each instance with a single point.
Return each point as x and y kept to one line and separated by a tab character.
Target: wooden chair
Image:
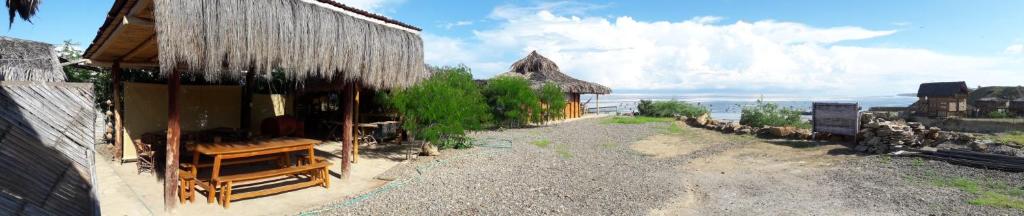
146	156
186	186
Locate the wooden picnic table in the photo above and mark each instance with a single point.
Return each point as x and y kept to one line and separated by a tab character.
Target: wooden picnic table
250	149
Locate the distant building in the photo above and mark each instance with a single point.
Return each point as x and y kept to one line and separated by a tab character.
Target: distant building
942	99
1017	107
988	105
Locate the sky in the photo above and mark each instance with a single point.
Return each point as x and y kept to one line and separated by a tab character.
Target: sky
726	47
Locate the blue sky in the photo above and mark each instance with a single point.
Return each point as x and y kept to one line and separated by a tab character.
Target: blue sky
848	48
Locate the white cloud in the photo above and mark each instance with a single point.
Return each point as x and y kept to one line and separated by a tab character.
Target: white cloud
371	5
457	24
701	55
1015	49
902	24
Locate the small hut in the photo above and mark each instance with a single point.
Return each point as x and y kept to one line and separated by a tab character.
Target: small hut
309	41
540	70
24	60
942	99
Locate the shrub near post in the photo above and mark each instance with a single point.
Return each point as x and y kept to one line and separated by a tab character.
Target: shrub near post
669	109
552	96
441	108
770	114
514	103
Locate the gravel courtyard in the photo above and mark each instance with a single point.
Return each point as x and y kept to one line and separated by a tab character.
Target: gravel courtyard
590	167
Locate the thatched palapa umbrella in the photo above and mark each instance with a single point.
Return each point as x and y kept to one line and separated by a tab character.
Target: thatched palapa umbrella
540	70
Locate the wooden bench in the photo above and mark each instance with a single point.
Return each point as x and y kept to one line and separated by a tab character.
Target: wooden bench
325	171
319	173
187	176
279	158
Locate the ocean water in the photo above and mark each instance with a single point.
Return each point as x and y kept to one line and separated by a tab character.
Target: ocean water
728	107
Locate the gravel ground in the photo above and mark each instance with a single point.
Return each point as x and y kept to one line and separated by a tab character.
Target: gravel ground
585	170
588	168
907	186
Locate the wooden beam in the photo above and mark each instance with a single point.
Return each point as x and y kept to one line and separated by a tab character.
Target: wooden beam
355	145
135	51
597	102
173	140
132	20
115	72
346	134
136	65
139	6
117	27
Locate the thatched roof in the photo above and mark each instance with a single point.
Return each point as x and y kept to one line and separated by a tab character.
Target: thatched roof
539	70
942	89
24	60
307	39
25	9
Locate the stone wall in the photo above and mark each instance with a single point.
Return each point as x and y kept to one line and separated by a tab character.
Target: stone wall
973	125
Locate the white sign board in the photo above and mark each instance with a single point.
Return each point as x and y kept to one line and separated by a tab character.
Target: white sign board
836	118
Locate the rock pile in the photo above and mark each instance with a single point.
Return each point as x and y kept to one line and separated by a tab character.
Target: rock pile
880	134
706	122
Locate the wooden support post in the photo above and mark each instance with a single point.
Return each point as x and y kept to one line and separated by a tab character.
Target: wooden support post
173	139
118	127
575	105
245	121
597	102
355	146
346	134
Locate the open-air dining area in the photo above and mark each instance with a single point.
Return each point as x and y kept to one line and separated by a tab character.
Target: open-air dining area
232	110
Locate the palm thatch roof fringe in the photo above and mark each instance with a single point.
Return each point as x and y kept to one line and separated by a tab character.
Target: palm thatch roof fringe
307	39
25	9
24	60
539	70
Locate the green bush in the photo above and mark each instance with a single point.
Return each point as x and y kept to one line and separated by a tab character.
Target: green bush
441	108
770	114
999	114
669	109
514	103
554	99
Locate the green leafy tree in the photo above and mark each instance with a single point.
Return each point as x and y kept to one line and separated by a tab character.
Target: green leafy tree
100	79
514	103
669	109
551	96
441	108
